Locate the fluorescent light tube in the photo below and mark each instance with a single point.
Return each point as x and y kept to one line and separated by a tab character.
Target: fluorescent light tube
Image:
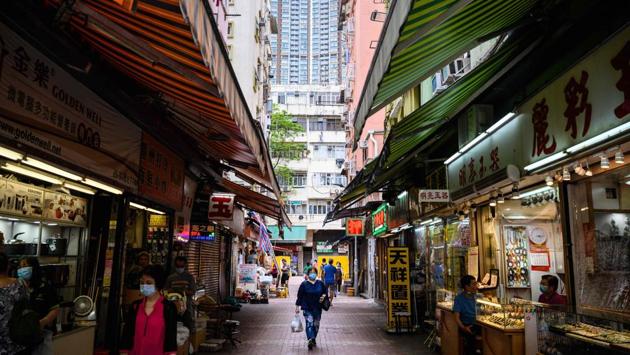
473	142
104	187
30	173
452	158
50	169
79	188
545	161
600	138
137	205
10	154
500	122
155	211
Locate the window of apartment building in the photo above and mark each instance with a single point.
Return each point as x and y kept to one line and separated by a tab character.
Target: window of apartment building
319	206
301	121
328	124
289	154
230	29
296	207
328	151
329	179
299	179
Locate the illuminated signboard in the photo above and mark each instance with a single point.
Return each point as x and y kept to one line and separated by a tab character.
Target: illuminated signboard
379	220
202	233
355	227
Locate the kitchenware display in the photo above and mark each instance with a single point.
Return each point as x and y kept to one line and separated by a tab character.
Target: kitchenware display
57	274
55	246
19	247
516	256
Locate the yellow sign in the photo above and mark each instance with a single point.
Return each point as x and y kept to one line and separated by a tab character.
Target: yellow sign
398	296
342	259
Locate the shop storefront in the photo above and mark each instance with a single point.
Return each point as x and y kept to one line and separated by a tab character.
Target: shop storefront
545	207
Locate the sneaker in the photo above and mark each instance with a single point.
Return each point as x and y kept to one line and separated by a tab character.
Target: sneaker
311	344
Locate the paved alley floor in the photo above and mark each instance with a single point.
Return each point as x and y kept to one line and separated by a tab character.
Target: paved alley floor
352	326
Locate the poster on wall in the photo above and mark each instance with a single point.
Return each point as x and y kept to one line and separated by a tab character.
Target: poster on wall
398	293
539	256
42	106
65	208
182	217
247	276
21	199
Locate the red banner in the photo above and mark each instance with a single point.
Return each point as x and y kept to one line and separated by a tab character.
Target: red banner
161	176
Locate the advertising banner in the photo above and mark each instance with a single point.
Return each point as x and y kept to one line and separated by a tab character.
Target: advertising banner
21	199
65	208
398	292
161	176
44	107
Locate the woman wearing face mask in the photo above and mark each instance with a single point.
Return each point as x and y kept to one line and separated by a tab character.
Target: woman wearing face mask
11	292
151	325
310	297
42	299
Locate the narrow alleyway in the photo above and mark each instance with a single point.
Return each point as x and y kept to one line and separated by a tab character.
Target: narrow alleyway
353	326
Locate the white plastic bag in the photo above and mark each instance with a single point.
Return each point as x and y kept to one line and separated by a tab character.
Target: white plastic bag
296	324
182	334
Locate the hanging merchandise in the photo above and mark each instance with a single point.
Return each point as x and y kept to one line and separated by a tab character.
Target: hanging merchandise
516	256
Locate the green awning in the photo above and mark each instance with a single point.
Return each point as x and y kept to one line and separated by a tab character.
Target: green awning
411	135
295	234
433	34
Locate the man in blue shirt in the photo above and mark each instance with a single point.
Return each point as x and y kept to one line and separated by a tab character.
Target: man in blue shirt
329	278
465	312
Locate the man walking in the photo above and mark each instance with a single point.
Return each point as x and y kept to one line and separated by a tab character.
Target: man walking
182	282
329	278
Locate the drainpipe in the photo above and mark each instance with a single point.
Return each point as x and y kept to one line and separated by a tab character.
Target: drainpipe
374	141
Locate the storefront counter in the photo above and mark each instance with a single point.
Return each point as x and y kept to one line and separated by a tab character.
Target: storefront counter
501	341
78	341
449	331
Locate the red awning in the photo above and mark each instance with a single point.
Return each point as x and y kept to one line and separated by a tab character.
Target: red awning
256	201
155	45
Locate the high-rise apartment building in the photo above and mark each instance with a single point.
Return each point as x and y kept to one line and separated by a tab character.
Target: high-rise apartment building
306	49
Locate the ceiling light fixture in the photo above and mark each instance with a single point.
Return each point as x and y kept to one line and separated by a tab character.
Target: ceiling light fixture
10	154
50	169
501	122
79	188
515	193
501	199
604	163
566	175
102	186
579	169
549	180
600	138
545	161
588	170
619	158
18	169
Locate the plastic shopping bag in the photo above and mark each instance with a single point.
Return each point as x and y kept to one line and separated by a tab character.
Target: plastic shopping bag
296	324
182	334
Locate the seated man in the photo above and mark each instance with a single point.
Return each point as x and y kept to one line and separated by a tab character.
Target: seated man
465	312
549	289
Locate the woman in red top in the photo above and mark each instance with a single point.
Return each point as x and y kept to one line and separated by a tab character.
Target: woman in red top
151	325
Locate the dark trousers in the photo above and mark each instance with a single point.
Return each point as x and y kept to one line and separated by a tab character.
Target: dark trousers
470	341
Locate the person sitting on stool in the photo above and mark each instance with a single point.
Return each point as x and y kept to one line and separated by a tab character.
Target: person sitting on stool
465	312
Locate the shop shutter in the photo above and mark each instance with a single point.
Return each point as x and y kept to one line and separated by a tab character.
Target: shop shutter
209	266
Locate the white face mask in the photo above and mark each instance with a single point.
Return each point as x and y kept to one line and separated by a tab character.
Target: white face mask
147	290
180	270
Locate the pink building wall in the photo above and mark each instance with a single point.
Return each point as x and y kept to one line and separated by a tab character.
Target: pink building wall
366	35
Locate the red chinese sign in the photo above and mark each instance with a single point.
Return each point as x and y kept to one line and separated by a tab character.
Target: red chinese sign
161	176
221	206
354	227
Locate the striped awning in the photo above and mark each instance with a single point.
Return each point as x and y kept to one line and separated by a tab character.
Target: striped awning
174	48
255	201
417	131
432	34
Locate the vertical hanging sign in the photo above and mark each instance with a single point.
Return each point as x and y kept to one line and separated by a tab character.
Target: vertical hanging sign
398	295
221	206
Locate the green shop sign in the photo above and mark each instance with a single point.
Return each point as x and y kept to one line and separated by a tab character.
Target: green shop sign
379	220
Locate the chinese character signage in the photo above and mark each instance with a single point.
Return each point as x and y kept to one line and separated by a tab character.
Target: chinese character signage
221	206
590	98
324	248
379	220
398	293
355	227
46	109
434	196
161	176
202	233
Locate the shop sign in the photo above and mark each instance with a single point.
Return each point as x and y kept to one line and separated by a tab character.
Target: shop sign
65	208
324	248
161	176
343	248
590	98
398	295
398	214
434	196
355	227
221	206
202	233
182	218
44	107
379	220
21	199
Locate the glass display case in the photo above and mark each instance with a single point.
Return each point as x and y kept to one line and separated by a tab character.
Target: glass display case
445	298
510	316
561	332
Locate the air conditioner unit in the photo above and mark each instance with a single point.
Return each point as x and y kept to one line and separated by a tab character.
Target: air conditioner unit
437	84
455	70
346	165
363	144
475	120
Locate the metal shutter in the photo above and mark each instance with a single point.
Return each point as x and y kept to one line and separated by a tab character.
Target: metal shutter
204	264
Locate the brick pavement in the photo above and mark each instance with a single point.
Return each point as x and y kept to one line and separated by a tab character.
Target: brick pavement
352	326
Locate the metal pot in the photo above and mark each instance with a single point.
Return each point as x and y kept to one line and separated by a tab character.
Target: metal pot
55	247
